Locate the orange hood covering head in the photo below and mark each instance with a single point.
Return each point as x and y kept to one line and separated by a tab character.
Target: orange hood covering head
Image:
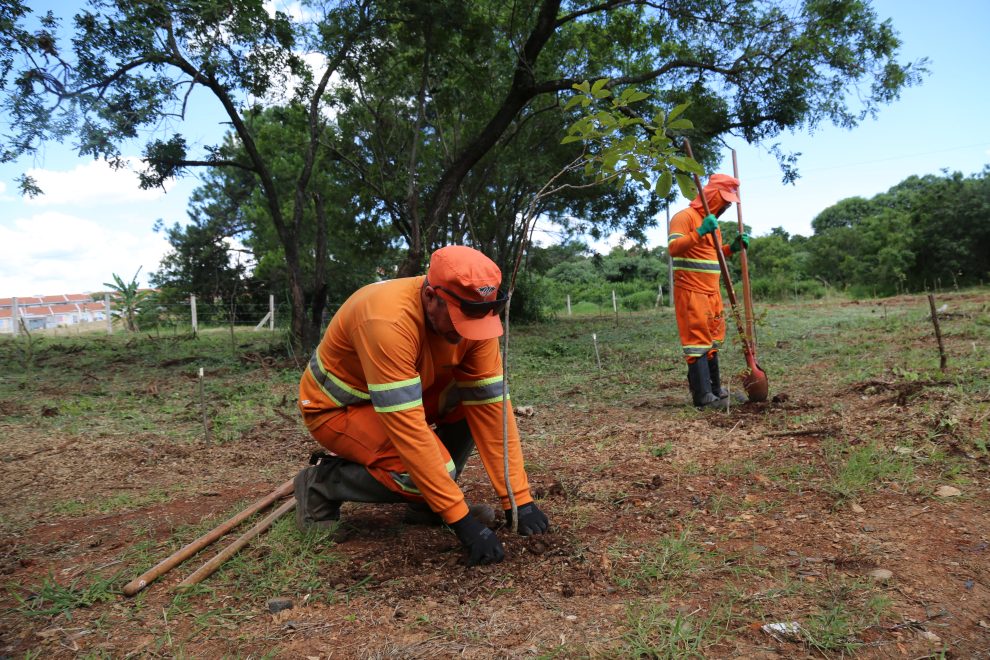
719	187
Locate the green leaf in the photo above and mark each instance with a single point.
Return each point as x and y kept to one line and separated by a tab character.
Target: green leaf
664	183
680	123
598	89
573	101
582	87
686	185
676	112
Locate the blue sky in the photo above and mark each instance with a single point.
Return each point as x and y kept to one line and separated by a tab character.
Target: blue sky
93	222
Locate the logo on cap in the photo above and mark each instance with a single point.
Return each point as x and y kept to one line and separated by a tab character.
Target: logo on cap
485	290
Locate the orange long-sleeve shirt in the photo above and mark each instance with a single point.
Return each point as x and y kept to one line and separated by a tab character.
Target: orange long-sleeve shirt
379	351
695	261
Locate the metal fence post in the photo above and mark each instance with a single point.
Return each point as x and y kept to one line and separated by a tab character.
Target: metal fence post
271	312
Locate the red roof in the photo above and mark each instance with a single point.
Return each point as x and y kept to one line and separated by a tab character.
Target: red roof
25	301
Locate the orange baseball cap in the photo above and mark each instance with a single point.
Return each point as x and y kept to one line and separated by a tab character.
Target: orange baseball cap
719	185
469	282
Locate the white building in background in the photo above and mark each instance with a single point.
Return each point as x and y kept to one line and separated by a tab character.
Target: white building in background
40	312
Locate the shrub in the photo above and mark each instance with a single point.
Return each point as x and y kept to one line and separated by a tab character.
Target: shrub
639	300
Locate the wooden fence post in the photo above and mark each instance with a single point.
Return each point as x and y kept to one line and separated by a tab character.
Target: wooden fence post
271	312
938	333
15	316
106	307
192	307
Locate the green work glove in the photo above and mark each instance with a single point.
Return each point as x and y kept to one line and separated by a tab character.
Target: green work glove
739	242
708	225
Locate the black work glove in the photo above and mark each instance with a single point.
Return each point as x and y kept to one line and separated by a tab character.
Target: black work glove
481	542
531	520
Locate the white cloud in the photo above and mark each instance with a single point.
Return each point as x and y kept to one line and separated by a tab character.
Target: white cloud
51	253
90	184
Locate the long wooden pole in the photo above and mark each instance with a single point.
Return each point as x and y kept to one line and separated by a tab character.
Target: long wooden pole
210	567
744	266
179	556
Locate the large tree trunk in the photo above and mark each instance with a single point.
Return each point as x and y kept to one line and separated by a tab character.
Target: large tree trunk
522	90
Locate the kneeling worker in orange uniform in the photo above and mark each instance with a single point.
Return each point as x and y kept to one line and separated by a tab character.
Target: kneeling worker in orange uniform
697	299
405	383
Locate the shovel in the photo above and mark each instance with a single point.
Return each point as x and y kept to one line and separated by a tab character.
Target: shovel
755	381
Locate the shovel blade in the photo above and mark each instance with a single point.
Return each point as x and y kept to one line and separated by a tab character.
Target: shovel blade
755	382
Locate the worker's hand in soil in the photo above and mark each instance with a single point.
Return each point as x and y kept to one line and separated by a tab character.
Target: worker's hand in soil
481	542
739	242
708	225
531	520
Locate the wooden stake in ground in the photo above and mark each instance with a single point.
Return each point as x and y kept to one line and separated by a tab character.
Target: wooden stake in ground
202	404
210	567
938	333
179	556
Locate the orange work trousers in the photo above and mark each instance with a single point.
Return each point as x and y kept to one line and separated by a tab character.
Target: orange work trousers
700	322
356	434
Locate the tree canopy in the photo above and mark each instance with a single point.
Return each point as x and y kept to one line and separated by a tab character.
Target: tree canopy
439	120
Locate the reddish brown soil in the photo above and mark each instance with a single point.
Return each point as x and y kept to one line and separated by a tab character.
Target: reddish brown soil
778	545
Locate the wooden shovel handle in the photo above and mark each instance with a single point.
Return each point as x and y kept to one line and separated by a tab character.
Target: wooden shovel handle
744	267
210	567
179	556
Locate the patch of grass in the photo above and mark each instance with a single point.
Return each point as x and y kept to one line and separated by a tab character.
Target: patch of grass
666	560
283	561
659	451
50	599
832	629
656	632
855	469
114	503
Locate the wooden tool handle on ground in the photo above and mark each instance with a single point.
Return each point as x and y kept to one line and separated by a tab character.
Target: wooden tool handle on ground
179	556
210	567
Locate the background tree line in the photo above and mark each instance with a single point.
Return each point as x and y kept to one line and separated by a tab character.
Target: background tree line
924	233
363	134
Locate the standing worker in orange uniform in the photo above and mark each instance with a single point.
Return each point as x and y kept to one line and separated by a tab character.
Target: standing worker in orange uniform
697	299
405	383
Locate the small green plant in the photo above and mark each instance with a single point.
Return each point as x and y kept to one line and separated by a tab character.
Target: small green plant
659	451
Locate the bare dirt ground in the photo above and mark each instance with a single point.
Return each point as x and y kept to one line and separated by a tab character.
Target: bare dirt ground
675	533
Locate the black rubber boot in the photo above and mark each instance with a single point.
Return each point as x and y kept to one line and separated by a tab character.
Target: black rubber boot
701	386
716	381
321	488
